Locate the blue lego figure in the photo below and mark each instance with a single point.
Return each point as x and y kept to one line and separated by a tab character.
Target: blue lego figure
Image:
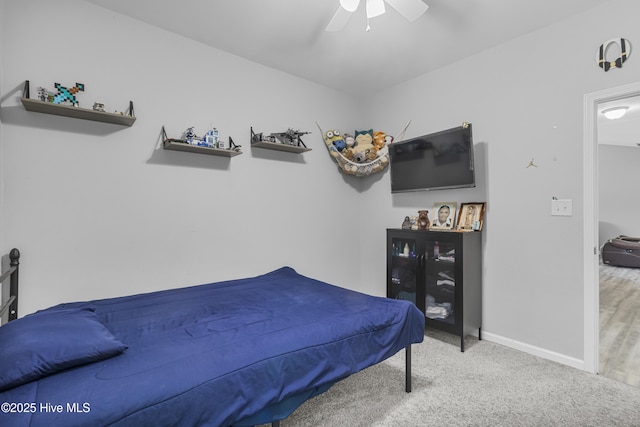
340	144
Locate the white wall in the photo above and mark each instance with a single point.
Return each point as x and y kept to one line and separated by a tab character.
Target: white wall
101	210
1	121
4	288
525	101
109	212
618	200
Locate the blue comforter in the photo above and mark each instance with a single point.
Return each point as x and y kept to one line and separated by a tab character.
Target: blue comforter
219	353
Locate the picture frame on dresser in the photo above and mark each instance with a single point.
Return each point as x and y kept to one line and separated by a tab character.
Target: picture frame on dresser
471	216
444	215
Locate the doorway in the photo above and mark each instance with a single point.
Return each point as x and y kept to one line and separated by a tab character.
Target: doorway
591	255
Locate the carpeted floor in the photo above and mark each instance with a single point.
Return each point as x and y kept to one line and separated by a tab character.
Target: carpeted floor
487	385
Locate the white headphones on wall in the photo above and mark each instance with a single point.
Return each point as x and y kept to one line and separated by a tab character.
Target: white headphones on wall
625	50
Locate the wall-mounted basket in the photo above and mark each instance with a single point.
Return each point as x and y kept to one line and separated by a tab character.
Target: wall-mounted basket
363	168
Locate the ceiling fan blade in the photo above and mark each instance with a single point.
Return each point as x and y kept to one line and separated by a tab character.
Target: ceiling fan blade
339	20
375	8
349	5
410	9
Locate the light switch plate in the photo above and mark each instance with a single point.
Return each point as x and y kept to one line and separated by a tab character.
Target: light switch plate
562	207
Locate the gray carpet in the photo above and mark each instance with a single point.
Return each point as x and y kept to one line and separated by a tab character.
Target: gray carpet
487	385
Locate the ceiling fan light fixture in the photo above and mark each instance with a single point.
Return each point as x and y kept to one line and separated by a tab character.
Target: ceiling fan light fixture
409	9
615	112
350	5
375	8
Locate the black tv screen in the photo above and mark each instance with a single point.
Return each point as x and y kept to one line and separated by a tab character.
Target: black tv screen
433	162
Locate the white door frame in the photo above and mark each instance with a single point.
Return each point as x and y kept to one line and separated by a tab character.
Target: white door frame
591	220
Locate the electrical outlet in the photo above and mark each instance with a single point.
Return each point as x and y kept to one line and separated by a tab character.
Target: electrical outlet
562	207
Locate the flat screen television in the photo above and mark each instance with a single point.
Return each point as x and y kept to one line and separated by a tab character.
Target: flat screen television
436	161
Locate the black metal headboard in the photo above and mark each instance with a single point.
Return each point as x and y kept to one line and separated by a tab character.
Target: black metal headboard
12	274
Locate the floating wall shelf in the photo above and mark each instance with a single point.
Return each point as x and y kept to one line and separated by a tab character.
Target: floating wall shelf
280	147
175	144
180	145
75	112
257	142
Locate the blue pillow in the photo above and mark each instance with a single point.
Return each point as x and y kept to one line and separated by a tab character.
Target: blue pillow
46	342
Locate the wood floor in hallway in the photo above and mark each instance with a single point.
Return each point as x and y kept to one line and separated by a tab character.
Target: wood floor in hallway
620	324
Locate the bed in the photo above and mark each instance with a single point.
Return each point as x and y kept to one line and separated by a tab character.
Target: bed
233	353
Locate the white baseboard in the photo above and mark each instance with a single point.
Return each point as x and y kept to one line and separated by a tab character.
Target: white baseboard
536	351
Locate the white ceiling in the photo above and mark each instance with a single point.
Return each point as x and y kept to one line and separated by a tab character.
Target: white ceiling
289	34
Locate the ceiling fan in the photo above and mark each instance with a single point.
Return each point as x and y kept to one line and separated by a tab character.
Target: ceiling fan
410	9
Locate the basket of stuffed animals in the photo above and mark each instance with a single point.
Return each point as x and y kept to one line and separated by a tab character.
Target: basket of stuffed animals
361	154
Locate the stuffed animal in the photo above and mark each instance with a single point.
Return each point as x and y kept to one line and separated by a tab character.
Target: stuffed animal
363	145
335	138
348	154
379	140
371	154
388	139
364	138
332	135
360	156
339	144
423	220
351	141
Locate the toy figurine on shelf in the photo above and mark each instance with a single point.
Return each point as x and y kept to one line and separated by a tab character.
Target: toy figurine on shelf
261	137
43	95
292	137
212	138
221	143
67	94
289	137
190	136
423	220
406	224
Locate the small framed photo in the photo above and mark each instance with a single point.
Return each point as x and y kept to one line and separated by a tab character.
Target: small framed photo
471	217
444	215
